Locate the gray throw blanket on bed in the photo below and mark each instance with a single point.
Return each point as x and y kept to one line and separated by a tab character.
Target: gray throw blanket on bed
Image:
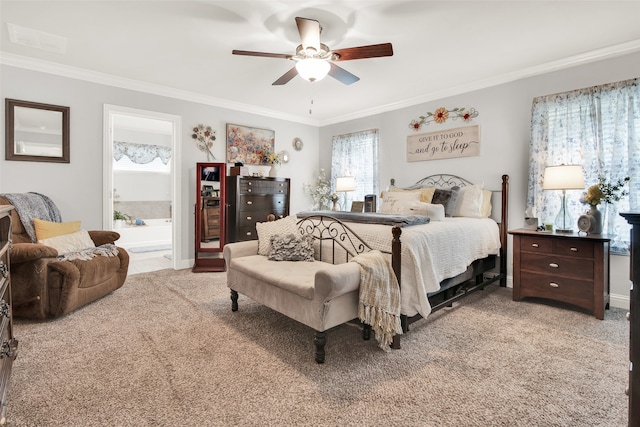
33	205
379	300
370	217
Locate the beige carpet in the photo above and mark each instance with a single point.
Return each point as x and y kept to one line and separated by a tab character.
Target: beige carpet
166	350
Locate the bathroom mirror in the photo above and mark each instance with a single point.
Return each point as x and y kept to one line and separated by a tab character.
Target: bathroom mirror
210	217
36	132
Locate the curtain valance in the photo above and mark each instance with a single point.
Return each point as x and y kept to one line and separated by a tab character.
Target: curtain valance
141	153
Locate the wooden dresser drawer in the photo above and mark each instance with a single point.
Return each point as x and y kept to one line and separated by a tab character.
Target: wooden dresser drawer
558	265
536	244
569	290
263	187
574	248
262	203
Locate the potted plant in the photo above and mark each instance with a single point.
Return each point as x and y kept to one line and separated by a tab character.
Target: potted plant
119	219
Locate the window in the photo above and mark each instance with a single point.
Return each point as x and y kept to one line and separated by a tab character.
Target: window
355	155
596	127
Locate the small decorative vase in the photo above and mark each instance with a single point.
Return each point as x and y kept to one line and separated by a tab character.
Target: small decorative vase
273	172
597	215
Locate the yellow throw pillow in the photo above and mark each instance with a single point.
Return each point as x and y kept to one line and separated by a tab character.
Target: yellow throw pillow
48	229
426	193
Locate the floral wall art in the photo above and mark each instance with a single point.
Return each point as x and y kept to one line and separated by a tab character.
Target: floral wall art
249	145
444	144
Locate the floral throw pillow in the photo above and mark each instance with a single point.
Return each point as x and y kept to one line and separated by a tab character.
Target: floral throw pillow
289	247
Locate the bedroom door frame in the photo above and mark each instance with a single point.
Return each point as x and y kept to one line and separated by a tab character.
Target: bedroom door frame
110	111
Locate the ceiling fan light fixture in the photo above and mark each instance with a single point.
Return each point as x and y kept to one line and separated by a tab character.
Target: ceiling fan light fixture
312	69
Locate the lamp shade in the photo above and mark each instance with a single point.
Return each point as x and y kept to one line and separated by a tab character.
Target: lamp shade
563	177
345	183
312	69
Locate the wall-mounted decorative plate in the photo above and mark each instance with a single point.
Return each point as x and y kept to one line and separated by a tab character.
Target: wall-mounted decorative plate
297	144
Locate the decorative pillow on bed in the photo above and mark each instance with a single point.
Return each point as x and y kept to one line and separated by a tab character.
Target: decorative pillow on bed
485	208
434	211
469	202
72	242
426	193
267	229
289	247
446	198
398	202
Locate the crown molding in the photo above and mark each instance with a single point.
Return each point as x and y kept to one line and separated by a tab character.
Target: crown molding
140	86
569	62
111	80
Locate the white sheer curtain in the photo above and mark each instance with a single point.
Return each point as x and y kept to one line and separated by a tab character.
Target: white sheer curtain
597	127
356	155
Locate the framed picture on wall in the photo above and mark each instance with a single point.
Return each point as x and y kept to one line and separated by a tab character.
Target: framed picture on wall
249	145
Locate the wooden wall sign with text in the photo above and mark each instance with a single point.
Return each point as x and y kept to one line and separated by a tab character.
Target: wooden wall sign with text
444	144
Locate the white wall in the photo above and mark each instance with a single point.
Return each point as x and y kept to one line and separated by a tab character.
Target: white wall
504	119
77	187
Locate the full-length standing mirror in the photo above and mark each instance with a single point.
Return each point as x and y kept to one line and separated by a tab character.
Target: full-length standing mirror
36	132
210	217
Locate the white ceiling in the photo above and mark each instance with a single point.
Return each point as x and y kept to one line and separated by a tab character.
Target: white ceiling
441	48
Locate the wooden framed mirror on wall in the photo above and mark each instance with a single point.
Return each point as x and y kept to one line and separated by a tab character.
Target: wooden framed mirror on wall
210	217
36	132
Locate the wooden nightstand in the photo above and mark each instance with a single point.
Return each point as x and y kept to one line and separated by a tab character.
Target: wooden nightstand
564	267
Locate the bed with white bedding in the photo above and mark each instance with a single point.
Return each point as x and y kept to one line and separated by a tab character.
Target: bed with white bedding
441	261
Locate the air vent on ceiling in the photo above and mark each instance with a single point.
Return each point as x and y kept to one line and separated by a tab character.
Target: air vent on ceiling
38	39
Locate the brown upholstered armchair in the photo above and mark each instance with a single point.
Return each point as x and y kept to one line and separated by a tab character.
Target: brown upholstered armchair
44	287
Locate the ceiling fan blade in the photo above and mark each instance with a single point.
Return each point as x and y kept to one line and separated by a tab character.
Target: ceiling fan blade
309	30
361	52
286	77
341	74
265	54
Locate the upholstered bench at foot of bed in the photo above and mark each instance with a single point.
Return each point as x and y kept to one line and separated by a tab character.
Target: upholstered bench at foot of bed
317	294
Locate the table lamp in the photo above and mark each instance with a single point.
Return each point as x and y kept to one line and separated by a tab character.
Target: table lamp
563	177
344	184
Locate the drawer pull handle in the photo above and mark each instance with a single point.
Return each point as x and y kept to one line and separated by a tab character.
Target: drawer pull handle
249	183
535	245
554	285
553	265
249	202
249	218
248	233
574	249
248	190
628	315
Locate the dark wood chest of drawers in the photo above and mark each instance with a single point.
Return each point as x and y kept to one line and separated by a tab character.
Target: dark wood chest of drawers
563	267
633	390
9	348
251	200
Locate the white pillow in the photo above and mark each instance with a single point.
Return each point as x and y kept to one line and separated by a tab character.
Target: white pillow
72	242
434	211
398	202
485	210
286	225
469	201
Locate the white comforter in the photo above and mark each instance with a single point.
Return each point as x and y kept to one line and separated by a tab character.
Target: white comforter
433	252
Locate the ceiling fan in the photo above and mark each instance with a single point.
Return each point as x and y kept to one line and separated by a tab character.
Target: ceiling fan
314	60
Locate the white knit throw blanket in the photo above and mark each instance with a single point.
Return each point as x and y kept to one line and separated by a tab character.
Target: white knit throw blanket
108	249
379	301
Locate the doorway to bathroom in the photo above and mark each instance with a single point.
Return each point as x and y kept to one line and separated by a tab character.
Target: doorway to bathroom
139	193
